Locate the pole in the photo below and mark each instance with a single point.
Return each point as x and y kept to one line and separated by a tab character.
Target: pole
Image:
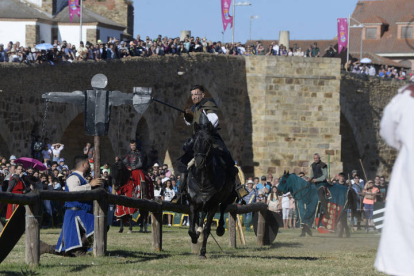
347	48
250	33
169	105
362	165
234	19
80	22
362	34
96	156
329	166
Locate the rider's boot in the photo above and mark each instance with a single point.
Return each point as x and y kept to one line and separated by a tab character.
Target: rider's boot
322	198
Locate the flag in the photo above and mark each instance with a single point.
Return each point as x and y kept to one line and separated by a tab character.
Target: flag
225	8
342	34
74	9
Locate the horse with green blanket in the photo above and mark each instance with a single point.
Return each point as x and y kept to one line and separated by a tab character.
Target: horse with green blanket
334	204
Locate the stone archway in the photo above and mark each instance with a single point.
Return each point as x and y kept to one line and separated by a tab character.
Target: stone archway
142	135
350	154
74	139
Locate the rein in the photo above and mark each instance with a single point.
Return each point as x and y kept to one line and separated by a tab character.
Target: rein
303	188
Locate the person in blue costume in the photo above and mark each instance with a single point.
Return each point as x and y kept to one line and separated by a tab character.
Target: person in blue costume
78	222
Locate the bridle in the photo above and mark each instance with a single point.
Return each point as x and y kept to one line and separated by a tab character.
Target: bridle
204	156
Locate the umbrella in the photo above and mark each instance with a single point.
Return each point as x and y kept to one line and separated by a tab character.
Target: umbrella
44	46
31	162
366	60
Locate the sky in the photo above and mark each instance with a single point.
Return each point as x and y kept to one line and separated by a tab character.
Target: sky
303	18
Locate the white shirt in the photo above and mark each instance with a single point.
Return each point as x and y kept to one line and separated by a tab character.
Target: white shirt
74	184
276	49
168	194
212	117
286	201
56	152
395	253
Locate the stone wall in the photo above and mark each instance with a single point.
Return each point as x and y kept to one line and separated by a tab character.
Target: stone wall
363	99
23	108
32	34
275	112
295	112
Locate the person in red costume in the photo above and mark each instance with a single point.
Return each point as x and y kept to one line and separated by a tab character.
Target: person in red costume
16	186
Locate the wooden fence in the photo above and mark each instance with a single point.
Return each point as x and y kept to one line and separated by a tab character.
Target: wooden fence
101	198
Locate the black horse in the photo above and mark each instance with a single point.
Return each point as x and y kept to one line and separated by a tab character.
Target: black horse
120	176
207	189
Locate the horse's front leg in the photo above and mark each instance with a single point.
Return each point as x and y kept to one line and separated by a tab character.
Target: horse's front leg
121	225
200	225
191	230
220	227
206	233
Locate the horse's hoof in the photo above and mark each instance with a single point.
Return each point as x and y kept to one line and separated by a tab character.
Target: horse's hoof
302	235
121	230
202	257
220	231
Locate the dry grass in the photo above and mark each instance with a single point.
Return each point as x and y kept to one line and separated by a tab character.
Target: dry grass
131	254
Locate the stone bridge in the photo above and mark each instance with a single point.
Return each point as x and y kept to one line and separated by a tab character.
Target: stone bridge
274	112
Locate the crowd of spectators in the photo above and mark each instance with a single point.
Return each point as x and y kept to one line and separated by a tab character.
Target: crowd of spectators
63	51
382	71
166	184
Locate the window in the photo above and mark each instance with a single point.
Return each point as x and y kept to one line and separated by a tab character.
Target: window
371	33
407	32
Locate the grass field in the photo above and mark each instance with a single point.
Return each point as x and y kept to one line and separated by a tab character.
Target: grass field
131	254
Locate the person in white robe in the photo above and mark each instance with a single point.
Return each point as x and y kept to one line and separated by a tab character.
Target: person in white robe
395	253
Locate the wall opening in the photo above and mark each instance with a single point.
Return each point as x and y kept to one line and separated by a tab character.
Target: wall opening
74	139
349	148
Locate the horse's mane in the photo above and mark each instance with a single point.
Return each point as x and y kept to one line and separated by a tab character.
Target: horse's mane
204	137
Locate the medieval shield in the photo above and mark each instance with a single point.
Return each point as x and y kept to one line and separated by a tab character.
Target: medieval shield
273	220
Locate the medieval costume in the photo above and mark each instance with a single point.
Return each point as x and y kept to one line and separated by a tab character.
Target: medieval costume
396	248
78	222
136	186
16	186
209	108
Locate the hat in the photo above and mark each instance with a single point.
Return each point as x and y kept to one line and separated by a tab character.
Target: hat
263	177
60	175
156	165
62	160
12	157
99	41
104	170
122	42
64	169
354	171
250	182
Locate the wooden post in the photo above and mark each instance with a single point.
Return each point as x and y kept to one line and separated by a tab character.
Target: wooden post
100	211
33	212
232	229
96	156
261	228
156	223
240	227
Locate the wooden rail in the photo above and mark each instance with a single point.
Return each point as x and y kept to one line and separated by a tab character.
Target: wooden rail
101	198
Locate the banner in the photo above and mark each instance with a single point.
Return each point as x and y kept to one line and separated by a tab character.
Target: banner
225	8
342	34
74	9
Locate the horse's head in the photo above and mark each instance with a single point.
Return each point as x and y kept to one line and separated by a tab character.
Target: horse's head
283	186
120	174
203	141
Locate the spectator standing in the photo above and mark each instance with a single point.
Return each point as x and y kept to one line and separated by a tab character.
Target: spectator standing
3	54
330	51
46	153
285	210
167	172
315	50
56	150
263	185
370	192
292	213
273	201
37	148
167	195
88	150
275	48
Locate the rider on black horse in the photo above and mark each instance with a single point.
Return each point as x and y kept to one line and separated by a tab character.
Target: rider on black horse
209	107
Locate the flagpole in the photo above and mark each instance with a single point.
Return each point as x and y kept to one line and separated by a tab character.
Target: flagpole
80	21
232	26
347	48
